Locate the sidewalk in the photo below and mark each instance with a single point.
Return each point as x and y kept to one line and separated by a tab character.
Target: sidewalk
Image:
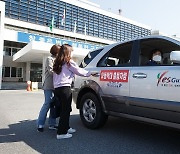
17	85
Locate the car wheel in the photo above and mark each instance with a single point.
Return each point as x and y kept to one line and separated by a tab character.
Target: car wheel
91	112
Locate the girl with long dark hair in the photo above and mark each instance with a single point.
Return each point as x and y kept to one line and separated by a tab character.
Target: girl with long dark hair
64	69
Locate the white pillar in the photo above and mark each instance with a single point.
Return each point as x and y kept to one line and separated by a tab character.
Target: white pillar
28	65
2	18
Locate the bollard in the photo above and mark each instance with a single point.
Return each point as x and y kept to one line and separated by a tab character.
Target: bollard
28	85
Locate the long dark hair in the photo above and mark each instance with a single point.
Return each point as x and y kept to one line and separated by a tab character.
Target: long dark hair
55	49
63	57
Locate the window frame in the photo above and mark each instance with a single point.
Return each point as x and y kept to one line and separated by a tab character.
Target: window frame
152	44
105	58
88	59
10	72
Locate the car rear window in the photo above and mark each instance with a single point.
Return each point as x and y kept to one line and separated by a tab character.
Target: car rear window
90	56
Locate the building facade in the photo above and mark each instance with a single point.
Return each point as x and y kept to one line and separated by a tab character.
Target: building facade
30	25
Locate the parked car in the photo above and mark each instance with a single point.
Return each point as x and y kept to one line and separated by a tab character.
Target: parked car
125	86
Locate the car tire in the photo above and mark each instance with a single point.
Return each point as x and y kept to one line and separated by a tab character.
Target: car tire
91	113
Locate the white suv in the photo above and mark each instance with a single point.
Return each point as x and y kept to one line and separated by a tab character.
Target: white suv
125	86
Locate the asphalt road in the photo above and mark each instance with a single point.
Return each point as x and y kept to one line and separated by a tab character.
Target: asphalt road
18	113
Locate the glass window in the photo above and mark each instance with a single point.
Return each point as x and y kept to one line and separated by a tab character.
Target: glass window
3	71
7	51
40	11
166	48
13	71
90	56
19	72
7	72
118	56
36	72
14	50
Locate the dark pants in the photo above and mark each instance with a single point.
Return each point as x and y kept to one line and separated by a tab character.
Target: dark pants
64	95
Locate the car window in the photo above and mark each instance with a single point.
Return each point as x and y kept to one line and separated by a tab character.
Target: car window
117	56
90	56
166	47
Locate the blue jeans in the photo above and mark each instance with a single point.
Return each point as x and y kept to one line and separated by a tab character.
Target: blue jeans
48	95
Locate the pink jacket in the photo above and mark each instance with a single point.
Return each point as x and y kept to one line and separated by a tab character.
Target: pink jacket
67	74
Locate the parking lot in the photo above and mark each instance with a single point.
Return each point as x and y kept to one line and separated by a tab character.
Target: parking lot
19	110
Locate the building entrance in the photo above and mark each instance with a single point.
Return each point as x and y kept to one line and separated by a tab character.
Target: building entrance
36	72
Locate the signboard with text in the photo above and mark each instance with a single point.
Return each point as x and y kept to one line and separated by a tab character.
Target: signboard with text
114	75
27	37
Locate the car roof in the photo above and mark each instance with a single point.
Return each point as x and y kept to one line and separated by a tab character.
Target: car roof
169	38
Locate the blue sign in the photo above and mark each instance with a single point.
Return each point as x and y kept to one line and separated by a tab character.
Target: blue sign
27	37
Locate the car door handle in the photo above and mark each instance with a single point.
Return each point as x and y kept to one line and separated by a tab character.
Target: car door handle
96	74
139	75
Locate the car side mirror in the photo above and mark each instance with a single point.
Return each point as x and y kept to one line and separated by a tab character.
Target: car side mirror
175	57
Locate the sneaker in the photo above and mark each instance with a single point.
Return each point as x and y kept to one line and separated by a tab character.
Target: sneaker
53	127
40	128
71	130
63	136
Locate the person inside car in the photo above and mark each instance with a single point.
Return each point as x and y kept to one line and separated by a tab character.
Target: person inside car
156	57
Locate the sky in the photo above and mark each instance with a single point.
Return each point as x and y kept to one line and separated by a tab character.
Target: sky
162	15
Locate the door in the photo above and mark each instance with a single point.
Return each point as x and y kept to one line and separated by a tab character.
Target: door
154	90
143	82
114	68
36	72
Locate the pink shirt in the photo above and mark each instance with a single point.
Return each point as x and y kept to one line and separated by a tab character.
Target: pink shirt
67	74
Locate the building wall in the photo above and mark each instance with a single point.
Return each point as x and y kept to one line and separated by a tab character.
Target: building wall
75	16
2	16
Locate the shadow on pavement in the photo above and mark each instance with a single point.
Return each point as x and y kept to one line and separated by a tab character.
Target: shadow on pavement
117	136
